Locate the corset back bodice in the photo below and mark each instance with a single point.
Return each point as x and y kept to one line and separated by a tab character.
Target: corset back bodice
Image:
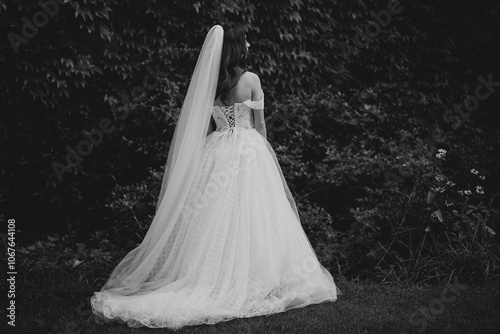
238	115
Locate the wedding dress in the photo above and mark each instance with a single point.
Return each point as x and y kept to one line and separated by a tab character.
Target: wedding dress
239	249
236	248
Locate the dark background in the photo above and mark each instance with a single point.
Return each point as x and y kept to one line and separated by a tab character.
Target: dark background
356	134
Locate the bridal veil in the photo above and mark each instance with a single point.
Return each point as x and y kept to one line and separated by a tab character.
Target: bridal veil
132	273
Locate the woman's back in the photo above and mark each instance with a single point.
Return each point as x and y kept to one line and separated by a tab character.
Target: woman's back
247	88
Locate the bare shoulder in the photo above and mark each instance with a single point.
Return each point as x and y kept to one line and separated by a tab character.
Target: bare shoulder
251	77
253	82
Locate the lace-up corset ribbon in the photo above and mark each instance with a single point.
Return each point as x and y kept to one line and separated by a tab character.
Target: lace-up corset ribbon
238	116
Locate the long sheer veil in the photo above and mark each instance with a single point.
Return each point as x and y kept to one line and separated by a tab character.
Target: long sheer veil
132	273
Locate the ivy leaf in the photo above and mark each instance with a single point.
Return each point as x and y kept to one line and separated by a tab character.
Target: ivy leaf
439	215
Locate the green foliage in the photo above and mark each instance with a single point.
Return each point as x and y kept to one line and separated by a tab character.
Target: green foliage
60	253
134	205
446	229
342	125
344	143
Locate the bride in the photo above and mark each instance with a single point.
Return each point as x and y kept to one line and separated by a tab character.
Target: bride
226	241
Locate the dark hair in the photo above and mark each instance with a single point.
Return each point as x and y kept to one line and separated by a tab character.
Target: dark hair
233	58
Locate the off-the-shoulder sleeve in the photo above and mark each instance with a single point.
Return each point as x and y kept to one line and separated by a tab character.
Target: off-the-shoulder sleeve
256	104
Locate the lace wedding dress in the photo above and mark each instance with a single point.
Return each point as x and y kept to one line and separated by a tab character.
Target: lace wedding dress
237	249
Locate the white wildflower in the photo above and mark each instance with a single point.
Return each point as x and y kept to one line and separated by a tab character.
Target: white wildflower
473	171
439	178
479	190
441	153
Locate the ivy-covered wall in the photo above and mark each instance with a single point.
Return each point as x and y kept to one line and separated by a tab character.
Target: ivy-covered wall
355	90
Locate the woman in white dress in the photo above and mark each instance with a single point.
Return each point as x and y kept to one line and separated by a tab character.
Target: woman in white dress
226	241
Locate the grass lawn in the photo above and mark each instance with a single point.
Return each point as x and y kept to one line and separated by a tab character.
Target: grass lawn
57	302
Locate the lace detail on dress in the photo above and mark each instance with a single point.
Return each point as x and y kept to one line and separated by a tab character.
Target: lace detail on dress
229	114
243	116
256	104
220	119
238	115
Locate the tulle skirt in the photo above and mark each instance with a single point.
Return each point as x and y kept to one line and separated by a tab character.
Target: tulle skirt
237	250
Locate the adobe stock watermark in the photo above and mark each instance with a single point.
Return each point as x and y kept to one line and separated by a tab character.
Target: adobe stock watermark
40	19
372	29
95	136
424	316
471	103
455	117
